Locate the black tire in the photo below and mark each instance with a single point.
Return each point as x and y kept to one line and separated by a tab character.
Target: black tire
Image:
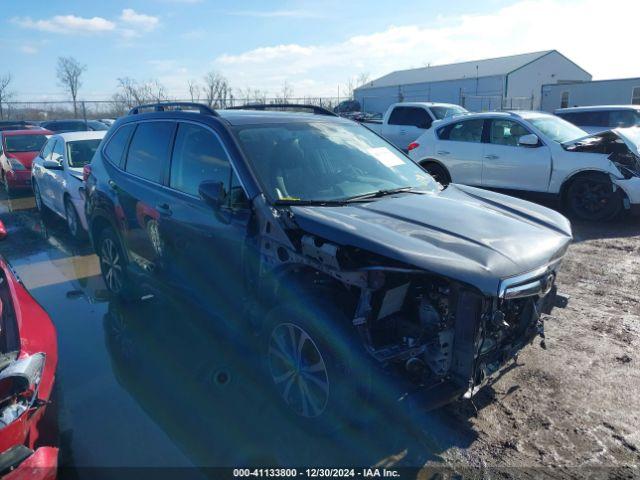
592	197
113	266
73	220
40	206
318	368
438	172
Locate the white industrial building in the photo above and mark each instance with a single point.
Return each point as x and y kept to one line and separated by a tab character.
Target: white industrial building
619	91
513	82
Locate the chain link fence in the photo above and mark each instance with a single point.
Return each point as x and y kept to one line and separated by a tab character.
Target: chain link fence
96	109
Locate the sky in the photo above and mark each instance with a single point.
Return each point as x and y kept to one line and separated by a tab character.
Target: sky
315	46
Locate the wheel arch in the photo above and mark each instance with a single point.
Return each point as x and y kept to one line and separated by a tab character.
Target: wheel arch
428	160
578	174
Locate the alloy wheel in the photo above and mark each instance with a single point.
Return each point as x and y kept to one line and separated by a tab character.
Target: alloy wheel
298	370
72	218
111	264
591	198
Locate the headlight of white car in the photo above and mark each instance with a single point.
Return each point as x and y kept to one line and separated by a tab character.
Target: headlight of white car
627	163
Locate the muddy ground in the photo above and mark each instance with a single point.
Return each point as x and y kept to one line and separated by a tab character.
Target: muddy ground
574	405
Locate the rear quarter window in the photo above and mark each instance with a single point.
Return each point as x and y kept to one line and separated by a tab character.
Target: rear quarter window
114	150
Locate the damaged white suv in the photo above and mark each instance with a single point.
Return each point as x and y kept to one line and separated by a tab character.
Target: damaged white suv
595	176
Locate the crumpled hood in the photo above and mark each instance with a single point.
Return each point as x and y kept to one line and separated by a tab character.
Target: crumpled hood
464	233
630	136
25	158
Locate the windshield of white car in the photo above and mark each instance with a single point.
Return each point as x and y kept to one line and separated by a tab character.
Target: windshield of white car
80	152
557	129
24	143
326	162
445	112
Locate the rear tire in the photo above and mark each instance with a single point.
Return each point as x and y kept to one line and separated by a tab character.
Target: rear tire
438	172
592	197
113	266
317	367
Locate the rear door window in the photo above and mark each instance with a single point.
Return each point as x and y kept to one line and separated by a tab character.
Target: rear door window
198	155
149	150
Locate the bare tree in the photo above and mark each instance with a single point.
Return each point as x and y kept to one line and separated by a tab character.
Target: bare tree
5	93
252	95
194	90
285	94
217	92
132	93
69	71
353	83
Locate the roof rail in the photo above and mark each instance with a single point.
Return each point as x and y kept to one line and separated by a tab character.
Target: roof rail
284	106
160	107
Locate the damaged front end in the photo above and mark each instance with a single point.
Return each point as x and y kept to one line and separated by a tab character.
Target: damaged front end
441	337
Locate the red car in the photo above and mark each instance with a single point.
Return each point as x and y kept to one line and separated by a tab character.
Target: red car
28	359
18	148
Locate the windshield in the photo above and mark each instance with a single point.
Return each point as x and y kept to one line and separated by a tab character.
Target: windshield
24	143
80	152
326	161
444	112
557	129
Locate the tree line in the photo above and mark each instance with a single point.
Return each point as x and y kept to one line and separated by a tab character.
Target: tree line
213	89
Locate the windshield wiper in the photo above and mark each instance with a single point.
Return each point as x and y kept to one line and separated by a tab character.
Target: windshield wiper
378	194
302	203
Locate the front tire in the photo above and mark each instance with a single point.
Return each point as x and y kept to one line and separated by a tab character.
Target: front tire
318	369
592	197
40	206
73	220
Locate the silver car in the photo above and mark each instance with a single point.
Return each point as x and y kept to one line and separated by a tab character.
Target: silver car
57	176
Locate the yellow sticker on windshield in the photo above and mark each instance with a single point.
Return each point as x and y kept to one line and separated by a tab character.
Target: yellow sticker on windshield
385	156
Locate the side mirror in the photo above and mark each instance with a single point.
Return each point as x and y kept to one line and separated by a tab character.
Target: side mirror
52	164
213	193
530	140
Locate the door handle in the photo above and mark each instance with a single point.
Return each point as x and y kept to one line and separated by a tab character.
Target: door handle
443	152
491	157
112	185
164	209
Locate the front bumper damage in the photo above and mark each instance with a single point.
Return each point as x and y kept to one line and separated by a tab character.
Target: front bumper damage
461	344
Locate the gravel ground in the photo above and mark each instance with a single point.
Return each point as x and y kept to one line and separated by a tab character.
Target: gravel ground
577	403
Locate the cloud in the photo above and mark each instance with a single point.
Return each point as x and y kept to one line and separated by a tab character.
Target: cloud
276	14
139	20
28	49
525	26
67	24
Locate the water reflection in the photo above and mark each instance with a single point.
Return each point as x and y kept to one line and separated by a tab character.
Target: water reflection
212	400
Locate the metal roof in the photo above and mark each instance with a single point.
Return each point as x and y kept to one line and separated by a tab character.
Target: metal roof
454	71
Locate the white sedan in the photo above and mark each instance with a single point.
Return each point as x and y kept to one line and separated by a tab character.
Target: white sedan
595	176
57	176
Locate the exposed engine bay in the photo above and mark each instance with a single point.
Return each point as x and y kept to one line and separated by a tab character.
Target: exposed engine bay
428	328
